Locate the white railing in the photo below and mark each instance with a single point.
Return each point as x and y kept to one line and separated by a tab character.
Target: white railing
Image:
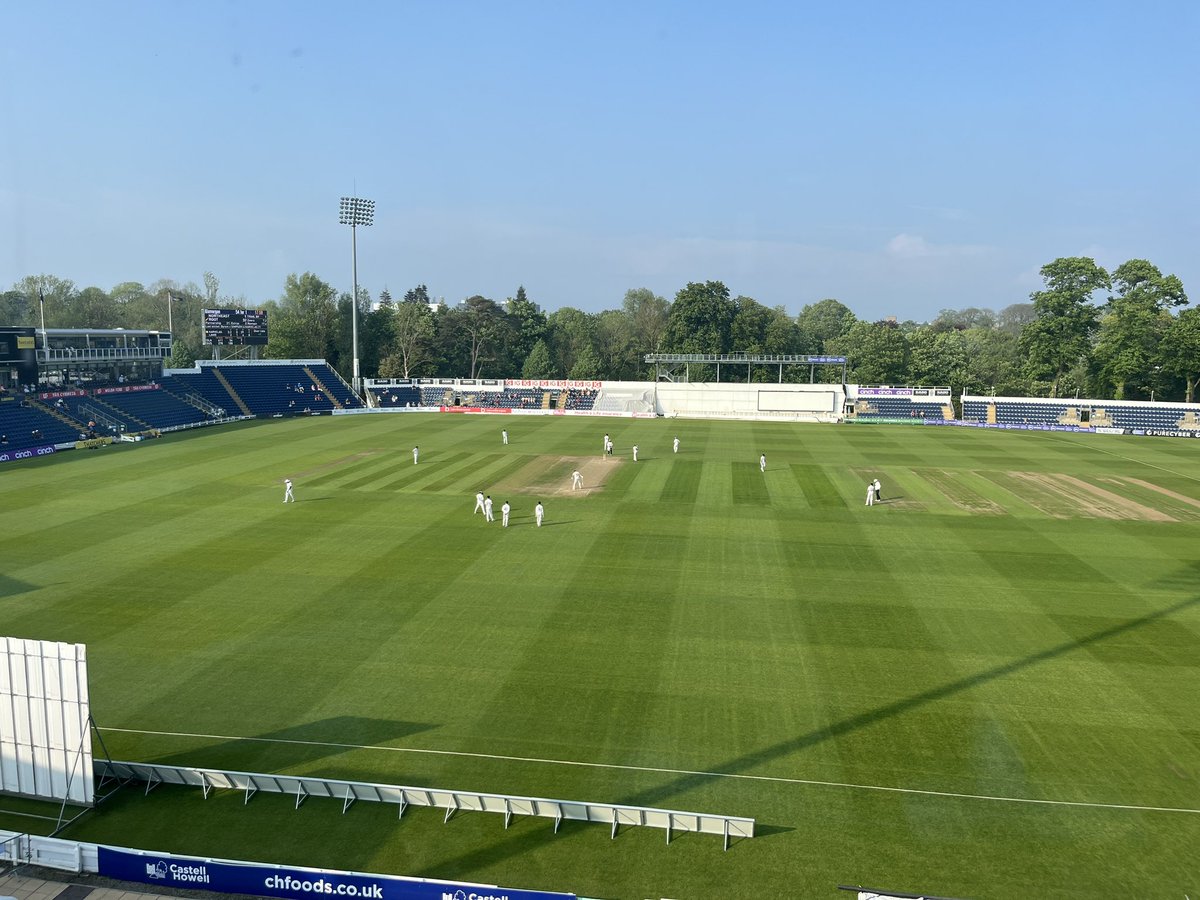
302	787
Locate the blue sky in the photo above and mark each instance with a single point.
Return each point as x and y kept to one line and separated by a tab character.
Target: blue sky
901	157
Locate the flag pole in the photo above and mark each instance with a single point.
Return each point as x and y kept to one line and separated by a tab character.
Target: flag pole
42	308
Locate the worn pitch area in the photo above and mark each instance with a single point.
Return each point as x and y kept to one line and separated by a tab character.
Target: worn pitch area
551	476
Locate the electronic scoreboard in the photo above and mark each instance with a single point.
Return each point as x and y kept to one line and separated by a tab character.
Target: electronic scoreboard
235	326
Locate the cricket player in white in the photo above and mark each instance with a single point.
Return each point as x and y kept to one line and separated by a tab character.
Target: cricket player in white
504	511
539	513
287	490
675	445
606	442
479	504
635	452
416	453
576	481
762	462
504	436
870	494
487	510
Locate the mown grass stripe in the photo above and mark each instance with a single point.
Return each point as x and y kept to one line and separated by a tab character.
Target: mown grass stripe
749	484
683	482
816	486
457	476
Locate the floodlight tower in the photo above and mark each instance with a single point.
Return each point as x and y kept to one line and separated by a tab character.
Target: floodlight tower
354	212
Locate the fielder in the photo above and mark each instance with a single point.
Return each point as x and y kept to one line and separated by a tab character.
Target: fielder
675	445
539	513
487	510
504	436
762	462
576	481
479	507
287	490
416	453
504	511
870	494
635	452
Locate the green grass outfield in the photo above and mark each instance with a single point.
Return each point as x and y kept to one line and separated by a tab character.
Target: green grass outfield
885	690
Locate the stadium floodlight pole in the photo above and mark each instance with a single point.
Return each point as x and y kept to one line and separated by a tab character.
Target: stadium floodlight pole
356	211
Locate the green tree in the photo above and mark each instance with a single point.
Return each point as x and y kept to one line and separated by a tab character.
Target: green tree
587	366
962	319
419	294
1014	317
571	332
748	330
877	352
944	356
538	363
93	308
412	334
783	334
613	344
16	308
701	319
472	339
1064	319
303	323
823	321
1135	320
647	315
527	324
59	295
1180	350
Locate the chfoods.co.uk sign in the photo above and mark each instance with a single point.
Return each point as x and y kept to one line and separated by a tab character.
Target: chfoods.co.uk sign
296	884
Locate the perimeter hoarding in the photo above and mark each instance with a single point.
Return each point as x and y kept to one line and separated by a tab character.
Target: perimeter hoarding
229	877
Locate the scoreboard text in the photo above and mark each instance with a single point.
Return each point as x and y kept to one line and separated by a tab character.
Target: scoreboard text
235	326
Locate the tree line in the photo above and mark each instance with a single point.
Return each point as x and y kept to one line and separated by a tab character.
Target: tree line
1087	332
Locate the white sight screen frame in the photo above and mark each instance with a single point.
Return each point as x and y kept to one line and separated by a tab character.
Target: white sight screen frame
45	741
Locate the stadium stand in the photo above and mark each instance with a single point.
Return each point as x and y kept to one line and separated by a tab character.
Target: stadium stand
276	390
580	399
902	407
33	425
199	387
108	419
437	396
1132	414
400	396
266	389
157	408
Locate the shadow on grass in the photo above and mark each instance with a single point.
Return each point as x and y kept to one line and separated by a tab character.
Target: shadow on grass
748	761
10	587
656	796
761	830
278	751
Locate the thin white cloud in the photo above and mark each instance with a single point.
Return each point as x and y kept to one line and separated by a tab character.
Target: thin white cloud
914	246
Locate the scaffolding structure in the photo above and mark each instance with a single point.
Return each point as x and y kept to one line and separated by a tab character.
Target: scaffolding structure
667	365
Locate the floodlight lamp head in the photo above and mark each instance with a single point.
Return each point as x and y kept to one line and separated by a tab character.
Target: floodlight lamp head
356	211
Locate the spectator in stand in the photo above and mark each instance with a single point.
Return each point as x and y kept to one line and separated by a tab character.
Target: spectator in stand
3	439
36	434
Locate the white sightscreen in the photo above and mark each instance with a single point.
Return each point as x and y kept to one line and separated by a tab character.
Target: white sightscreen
797	401
45	744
